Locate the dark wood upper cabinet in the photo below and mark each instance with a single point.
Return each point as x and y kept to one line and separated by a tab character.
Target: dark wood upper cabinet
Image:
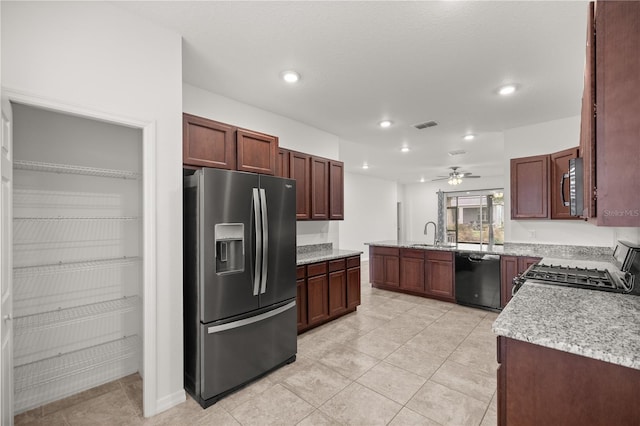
530	187
559	163
256	152
299	165
283	162
336	190
588	122
208	143
319	188
617	123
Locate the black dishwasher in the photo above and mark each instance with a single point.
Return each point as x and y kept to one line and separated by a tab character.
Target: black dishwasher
478	280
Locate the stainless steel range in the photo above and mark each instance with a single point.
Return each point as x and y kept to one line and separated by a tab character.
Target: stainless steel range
594	279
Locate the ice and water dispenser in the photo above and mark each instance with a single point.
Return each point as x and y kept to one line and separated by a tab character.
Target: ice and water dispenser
229	253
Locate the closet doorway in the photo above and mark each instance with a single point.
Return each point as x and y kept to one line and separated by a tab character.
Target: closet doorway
78	254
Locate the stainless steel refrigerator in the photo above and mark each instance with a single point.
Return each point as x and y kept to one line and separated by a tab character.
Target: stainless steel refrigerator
240	311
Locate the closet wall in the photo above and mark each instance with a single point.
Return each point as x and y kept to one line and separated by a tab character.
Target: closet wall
76	253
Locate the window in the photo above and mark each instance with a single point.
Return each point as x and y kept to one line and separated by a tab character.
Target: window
475	217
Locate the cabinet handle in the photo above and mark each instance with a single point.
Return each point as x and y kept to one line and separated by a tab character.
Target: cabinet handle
565	176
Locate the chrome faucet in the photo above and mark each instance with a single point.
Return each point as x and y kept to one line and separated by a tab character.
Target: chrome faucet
435	232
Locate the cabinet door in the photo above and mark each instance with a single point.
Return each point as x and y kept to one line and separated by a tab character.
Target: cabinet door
207	143
317	299
439	280
510	266
525	261
618	102
256	152
391	271
319	188
508	271
376	268
299	170
336	190
412	271
588	122
282	162
353	287
530	187
559	163
301	302
337	292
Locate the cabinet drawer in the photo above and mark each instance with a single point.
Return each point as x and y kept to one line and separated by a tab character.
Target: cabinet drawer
316	269
353	262
336	265
386	251
413	253
300	272
440	255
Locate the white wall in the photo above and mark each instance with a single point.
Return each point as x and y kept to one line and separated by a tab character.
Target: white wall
291	135
546	138
421	203
96	56
369	211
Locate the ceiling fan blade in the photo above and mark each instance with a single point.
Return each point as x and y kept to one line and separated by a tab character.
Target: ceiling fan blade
442	178
471	177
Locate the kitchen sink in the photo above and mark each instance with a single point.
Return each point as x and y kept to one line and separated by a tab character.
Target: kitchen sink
422	245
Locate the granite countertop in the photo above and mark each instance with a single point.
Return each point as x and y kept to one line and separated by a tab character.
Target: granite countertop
595	324
511	249
321	252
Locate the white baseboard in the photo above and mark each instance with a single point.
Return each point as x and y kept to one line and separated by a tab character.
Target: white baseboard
169	401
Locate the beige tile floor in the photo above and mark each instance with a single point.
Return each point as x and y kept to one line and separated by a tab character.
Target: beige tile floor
399	360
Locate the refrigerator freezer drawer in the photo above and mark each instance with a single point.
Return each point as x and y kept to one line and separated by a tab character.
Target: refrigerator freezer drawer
238	352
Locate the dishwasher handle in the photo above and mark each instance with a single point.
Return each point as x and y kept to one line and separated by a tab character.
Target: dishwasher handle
479	258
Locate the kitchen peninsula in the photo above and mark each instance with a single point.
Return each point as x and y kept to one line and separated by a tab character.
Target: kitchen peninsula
561	347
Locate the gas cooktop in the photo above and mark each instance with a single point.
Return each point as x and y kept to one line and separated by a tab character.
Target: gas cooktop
595	279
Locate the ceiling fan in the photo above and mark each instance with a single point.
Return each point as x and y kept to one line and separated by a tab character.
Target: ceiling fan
455	177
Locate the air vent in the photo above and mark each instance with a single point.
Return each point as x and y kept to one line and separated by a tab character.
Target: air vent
425	125
458	152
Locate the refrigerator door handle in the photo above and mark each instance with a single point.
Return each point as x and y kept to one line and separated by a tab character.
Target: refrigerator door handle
258	229
265	240
251	320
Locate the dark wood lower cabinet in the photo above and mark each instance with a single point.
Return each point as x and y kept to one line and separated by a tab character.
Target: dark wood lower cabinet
301	296
353	282
439	275
420	272
412	270
317	299
337	287
330	289
544	386
510	266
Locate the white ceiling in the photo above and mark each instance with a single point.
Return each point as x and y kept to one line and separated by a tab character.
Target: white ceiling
410	62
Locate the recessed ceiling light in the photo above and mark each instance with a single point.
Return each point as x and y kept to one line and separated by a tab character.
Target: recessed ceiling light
365	166
421	180
405	149
290	76
469	137
507	90
385	123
